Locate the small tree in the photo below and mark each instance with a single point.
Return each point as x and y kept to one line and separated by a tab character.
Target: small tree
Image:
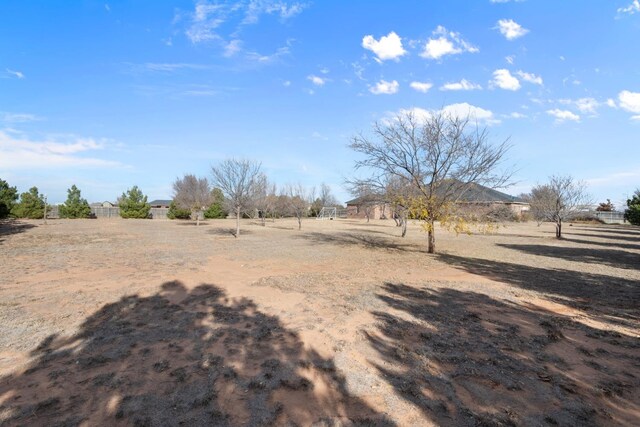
561	199
192	193
8	197
367	197
175	212
606	207
75	206
216	209
632	213
237	179
133	204
31	205
440	157
264	197
324	199
299	199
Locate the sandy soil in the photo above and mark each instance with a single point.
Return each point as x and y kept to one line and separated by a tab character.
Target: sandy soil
133	322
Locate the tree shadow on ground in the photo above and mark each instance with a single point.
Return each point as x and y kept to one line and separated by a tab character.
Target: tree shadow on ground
610	257
608	244
624	230
618	237
13	226
228	232
358	239
180	357
609	295
466	359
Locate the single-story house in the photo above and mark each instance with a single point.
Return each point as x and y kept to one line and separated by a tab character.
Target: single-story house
160	203
476	197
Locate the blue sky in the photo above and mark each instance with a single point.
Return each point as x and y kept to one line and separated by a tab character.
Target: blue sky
107	95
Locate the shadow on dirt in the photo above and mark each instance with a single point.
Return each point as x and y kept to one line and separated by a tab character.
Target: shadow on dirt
359	239
608	244
613	296
229	232
609	257
13	226
180	357
466	359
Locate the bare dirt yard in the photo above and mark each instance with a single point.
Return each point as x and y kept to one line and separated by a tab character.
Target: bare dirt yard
150	322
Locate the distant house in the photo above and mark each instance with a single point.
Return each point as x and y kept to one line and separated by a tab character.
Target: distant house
160	203
376	208
105	204
476	197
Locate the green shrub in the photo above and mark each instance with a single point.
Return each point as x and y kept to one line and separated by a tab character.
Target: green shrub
8	197
133	204
75	206
178	213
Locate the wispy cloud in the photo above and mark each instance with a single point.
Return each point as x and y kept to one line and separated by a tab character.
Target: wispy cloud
171	67
630	101
19	152
318	81
634	7
530	77
444	43
461	85
222	23
388	47
562	116
18	117
14	74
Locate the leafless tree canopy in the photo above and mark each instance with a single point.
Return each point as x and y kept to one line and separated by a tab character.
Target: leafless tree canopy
299	199
561	199
439	158
192	193
238	179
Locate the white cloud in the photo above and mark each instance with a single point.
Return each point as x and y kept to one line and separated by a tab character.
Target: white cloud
16	74
286	83
563	115
388	47
611	103
465	110
530	77
630	101
516	115
461	85
19	152
634	7
444	43
511	29
584	105
318	81
18	117
385	87
421	86
510	59
461	110
232	48
504	80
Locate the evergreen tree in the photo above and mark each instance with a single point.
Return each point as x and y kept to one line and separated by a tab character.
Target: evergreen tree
8	197
31	205
216	209
75	206
632	213
133	204
177	213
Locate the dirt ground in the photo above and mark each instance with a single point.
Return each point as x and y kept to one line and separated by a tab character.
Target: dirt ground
150	322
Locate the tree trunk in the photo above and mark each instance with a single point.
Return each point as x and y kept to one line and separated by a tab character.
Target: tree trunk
559	229
432	239
197	218
264	219
403	222
237	221
300	223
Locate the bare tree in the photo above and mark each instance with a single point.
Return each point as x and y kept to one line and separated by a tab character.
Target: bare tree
439	156
192	193
299	200
561	199
264	198
324	199
237	178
